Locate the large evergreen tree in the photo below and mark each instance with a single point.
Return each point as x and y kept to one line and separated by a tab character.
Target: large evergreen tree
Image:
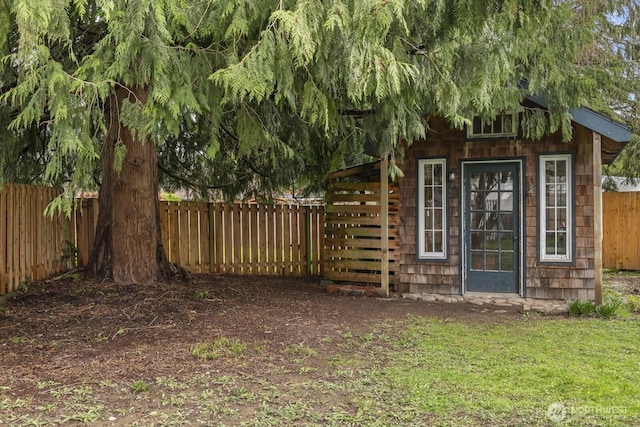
267	89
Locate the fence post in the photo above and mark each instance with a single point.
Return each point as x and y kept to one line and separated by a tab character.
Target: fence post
307	239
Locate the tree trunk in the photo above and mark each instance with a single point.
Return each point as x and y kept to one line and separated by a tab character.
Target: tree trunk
128	246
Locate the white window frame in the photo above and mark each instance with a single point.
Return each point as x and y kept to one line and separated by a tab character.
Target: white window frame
423	252
511	133
569	228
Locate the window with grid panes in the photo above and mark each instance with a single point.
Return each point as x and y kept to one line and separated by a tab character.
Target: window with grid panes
432	197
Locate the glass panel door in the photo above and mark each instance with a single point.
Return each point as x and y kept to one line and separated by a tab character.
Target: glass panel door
491	227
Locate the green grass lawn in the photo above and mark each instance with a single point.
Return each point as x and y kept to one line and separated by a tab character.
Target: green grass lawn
479	370
529	372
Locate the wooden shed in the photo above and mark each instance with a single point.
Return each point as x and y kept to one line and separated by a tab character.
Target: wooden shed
483	211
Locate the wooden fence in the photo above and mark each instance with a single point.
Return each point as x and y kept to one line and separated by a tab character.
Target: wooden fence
621	230
31	245
354	231
238	238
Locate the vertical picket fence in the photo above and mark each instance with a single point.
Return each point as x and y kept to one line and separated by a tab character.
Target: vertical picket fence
621	230
236	238
31	244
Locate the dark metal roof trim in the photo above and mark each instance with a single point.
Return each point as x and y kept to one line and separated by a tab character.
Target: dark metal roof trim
606	127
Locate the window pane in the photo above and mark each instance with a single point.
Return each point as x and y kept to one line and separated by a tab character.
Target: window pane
437	219
550	174
437	242
491	261
562	220
477	260
428	241
428	196
561	195
477	240
508	124
506	241
428	174
477	125
561	171
497	124
428	219
505	221
437	197
561	239
506	261
437	174
476	221
551	243
551	219
551	197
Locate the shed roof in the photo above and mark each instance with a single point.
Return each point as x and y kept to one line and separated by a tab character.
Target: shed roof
615	134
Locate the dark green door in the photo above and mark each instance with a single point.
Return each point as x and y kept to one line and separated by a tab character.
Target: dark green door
491	216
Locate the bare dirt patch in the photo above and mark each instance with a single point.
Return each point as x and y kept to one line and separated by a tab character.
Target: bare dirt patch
87	351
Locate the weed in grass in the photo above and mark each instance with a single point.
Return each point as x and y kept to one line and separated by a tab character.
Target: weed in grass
173	400
50	407
613	306
7	404
307	369
46	384
17	340
139	386
581	308
340	361
171	383
207	395
83	392
633	303
87	415
608	310
61	392
221	347
367	337
302	350
23	286
243	395
2	309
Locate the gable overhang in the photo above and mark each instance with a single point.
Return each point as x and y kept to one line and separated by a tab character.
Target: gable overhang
615	135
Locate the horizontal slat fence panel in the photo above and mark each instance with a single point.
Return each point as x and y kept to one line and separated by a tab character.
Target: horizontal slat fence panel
353	227
235	238
621	230
31	244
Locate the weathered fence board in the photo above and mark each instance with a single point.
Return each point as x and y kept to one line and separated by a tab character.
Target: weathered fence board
31	244
237	238
621	230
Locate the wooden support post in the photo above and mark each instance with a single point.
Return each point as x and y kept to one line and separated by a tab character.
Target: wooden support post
597	215
384	225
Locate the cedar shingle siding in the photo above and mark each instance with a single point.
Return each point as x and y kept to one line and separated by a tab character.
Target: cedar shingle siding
563	281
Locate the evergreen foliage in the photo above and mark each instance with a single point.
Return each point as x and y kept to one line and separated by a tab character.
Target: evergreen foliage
251	96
